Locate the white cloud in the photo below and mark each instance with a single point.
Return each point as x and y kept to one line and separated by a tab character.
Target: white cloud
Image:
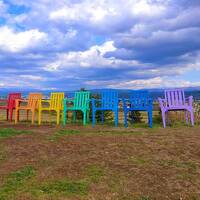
91	58
31	77
157	82
13	41
90	11
144	7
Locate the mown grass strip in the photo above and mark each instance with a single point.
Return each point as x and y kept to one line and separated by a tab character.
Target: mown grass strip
10	132
3	154
63	132
66	188
16	182
94	173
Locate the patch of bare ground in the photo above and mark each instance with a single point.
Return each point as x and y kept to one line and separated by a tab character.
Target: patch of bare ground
116	164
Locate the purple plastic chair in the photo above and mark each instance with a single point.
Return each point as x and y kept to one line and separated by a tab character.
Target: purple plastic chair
175	100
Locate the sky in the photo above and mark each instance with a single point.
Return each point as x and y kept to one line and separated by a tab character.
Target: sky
73	44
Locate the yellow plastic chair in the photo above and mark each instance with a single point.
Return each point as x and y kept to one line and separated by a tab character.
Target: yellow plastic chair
54	104
32	104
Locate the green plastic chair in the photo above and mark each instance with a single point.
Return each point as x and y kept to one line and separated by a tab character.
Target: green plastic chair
81	102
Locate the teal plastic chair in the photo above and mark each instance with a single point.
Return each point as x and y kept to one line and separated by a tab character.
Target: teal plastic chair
80	102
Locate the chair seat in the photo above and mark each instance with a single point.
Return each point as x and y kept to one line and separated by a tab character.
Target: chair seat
74	108
138	109
48	108
176	108
24	108
104	109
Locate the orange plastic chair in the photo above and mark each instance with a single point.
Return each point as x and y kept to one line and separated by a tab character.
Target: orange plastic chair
55	103
32	104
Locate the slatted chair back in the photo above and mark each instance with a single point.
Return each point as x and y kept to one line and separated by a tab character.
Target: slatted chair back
175	97
11	99
81	100
109	99
139	99
33	100
56	100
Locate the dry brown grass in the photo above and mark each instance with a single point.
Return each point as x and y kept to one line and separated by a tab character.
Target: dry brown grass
103	163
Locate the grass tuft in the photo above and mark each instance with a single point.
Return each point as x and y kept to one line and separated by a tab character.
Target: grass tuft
139	161
94	173
66	188
15	182
10	132
144	198
3	154
63	132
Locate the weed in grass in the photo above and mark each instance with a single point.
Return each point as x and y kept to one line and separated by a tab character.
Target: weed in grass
23	182
94	173
191	166
3	154
195	197
120	132
185	176
66	188
62	133
139	161
16	182
144	198
9	132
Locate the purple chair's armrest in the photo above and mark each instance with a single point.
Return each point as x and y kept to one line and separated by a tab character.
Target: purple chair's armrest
189	100
162	102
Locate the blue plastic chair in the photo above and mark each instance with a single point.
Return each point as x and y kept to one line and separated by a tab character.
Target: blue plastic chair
108	101
138	101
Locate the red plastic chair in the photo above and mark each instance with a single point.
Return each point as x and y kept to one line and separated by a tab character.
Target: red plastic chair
10	104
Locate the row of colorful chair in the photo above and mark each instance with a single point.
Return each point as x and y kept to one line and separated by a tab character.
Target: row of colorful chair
107	100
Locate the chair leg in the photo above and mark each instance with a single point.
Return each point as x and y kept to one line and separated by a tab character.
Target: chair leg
186	116
33	117
58	117
150	116
74	116
64	117
84	117
27	112
88	116
16	116
11	114
192	117
125	119
116	118
93	117
164	119
102	117
132	117
39	117
7	113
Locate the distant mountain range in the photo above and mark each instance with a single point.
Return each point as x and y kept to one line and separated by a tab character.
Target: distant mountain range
154	93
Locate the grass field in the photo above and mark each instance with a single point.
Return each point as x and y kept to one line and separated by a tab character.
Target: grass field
105	163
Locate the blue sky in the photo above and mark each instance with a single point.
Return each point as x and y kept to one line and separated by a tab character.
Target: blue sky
70	44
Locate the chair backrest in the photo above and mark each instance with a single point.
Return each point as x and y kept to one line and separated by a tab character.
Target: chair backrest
11	99
139	98
175	97
33	100
109	99
56	100
81	100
